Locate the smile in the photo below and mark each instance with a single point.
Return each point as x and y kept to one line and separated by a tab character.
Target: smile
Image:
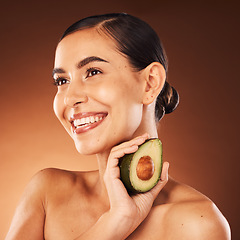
86	121
83	122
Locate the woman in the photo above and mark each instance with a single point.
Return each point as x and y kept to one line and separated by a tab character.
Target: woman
110	72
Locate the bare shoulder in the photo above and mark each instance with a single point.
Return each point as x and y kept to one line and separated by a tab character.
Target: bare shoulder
51	176
47	189
47	182
57	182
30	213
197	220
191	215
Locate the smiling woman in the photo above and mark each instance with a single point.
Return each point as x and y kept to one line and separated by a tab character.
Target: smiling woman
110	73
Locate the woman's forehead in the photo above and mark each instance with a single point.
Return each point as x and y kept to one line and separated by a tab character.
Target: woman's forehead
87	40
87	43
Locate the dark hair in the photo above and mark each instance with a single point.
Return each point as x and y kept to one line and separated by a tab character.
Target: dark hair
139	42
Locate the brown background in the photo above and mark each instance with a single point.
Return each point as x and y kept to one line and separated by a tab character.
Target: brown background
200	138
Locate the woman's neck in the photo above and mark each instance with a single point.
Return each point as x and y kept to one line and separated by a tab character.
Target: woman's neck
147	125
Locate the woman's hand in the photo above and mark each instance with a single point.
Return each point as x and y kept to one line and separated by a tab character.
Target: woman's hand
131	210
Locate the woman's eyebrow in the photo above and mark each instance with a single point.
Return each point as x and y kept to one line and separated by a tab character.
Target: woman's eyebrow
82	63
57	70
87	60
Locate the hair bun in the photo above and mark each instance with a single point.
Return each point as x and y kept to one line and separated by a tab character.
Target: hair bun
173	101
167	101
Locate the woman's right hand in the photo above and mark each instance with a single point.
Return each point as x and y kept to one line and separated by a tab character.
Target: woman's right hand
129	210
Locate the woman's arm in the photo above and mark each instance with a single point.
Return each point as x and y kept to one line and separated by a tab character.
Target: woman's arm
28	221
126	213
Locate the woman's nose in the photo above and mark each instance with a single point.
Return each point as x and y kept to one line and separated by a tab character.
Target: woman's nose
75	95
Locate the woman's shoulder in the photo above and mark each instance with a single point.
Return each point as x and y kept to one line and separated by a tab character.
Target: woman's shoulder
49	177
54	182
191	215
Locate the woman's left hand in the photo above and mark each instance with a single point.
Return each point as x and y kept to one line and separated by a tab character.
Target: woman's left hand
133	209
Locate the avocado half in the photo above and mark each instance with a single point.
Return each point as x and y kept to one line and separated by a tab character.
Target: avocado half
140	171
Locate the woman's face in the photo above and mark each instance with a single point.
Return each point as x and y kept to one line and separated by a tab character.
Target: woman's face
99	96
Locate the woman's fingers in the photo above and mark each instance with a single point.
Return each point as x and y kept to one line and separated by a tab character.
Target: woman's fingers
114	156
115	187
112	169
125	148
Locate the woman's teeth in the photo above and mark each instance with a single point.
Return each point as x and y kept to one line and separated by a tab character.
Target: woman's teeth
88	120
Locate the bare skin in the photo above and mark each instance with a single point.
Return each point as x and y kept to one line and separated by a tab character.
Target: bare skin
73	202
62	205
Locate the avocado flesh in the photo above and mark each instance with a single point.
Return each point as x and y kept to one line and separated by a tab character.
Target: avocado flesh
140	171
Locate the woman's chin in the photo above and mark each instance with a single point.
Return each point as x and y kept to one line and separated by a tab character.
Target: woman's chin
88	149
85	151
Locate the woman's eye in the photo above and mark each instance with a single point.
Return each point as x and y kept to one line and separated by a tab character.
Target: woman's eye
60	81
92	71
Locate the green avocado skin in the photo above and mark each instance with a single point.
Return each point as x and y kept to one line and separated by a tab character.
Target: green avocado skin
124	165
124	172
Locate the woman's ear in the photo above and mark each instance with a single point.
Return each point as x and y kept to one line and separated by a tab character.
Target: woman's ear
154	75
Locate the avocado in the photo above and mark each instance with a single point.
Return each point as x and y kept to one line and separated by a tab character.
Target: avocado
140	171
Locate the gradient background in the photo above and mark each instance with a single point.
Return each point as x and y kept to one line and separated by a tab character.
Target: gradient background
201	138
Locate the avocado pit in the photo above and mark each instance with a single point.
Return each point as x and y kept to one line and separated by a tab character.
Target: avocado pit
145	168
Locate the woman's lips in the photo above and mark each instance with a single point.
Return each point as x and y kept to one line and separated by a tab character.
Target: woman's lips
83	122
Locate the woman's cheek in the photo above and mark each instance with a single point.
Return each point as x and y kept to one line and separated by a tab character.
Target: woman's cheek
58	106
104	94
